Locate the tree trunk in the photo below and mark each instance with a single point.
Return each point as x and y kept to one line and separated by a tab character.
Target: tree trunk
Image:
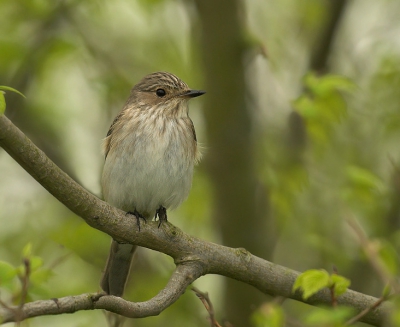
230	154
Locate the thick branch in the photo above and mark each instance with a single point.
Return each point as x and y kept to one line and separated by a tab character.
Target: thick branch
202	257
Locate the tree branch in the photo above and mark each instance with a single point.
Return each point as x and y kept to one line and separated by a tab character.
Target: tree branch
182	277
192	256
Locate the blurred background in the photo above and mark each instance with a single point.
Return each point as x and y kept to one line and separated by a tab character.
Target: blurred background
300	130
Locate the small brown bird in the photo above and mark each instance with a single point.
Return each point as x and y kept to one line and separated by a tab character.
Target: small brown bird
150	151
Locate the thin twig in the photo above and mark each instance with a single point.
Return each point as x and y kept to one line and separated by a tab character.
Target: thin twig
59	260
365	311
24	290
25	282
5	305
205	299
372	254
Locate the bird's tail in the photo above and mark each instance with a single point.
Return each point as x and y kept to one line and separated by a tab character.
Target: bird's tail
117	268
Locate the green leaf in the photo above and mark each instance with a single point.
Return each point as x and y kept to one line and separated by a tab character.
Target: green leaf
7	88
41	276
27	250
312	281
305	106
322	106
340	284
327	83
2	98
36	262
7	272
387	290
363	178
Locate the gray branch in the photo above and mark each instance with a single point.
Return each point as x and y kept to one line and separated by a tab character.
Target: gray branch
192	256
182	277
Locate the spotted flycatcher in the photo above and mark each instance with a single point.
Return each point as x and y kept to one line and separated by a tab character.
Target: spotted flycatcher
150	151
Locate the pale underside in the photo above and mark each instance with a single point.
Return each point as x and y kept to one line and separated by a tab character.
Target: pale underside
146	168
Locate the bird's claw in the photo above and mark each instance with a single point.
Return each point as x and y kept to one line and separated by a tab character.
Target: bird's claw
138	217
161	212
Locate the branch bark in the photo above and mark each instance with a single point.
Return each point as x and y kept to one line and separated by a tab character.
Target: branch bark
182	277
192	256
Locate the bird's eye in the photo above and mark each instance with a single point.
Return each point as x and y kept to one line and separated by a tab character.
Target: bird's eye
161	92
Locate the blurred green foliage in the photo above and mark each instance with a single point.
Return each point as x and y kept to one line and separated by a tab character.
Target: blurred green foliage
329	317
322	106
269	315
30	274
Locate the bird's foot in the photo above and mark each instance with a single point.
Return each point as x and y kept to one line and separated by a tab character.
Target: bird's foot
161	212
138	217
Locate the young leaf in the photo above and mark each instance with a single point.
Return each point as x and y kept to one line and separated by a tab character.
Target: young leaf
27	250
2	98
340	283
312	281
7	272
364	178
36	262
7	88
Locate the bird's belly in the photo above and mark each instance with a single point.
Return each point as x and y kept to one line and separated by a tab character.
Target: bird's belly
153	175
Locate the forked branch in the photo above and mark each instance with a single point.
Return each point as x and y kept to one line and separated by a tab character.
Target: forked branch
182	277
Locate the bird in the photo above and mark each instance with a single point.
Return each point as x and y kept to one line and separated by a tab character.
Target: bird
150	152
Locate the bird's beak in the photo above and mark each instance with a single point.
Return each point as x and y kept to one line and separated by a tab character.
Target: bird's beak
193	93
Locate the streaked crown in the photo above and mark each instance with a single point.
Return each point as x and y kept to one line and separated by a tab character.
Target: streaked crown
154	81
